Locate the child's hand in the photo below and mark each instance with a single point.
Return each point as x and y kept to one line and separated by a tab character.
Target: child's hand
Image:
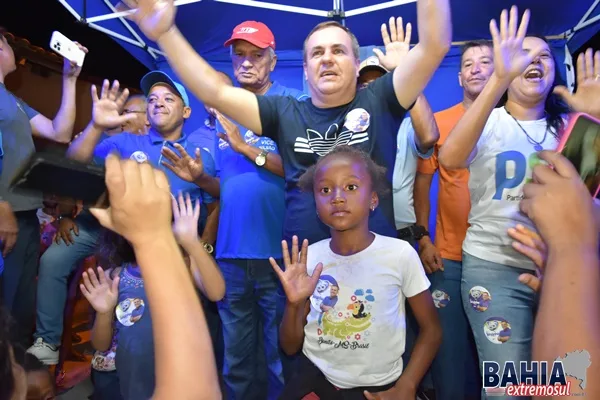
531	245
298	285
102	292
185	224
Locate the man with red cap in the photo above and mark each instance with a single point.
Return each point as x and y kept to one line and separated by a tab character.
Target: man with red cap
250	171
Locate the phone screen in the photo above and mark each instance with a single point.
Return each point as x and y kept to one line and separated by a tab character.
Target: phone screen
583	150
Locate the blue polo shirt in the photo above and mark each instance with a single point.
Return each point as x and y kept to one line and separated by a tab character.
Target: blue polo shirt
205	137
148	148
252	198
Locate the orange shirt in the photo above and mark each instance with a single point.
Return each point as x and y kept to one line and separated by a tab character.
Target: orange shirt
454	202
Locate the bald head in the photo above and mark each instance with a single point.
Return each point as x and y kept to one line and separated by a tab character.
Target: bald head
136	104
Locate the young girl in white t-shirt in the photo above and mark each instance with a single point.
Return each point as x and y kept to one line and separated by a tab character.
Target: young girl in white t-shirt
346	295
500	147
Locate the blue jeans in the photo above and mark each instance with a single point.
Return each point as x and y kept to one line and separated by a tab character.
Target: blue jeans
454	370
106	385
500	310
56	265
253	297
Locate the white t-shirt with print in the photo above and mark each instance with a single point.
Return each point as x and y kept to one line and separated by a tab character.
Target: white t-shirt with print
356	328
502	165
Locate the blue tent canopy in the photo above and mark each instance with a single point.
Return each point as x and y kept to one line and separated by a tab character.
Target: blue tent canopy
208	23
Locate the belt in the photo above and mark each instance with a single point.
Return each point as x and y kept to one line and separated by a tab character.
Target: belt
407	233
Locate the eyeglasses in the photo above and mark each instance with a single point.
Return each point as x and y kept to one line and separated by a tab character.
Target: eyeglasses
133	112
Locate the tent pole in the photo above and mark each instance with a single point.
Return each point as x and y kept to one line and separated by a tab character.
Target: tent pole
584	22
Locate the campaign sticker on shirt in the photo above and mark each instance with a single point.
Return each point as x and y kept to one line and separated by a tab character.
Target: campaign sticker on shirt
250	137
497	330
223	144
327	290
130	311
139	156
480	298
440	298
357	120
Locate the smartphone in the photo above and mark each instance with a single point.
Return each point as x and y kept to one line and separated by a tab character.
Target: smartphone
56	175
66	48
580	144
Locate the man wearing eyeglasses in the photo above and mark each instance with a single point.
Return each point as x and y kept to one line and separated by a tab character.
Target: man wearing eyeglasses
76	239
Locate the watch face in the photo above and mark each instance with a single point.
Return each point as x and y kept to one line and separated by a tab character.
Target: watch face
260	160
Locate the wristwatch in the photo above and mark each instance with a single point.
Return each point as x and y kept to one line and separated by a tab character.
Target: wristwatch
419	232
208	247
261	159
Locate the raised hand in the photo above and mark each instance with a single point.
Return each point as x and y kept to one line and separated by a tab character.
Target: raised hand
101	291
296	282
183	165
71	69
232	133
185	215
510	59
530	244
155	17
587	97
397	43
106	108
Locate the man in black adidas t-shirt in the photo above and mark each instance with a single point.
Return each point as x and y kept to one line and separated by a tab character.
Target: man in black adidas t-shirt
335	114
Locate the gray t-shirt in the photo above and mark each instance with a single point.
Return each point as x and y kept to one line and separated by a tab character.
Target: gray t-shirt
17	143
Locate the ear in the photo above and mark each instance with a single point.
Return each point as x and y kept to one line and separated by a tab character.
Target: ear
460	79
374	200
187	111
273	62
305	72
357	65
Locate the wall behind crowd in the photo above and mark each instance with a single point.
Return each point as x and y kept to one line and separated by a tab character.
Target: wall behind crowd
442	92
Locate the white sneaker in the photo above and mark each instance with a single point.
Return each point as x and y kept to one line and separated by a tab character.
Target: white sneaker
45	352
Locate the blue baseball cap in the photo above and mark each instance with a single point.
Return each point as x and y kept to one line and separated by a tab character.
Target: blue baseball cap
153	78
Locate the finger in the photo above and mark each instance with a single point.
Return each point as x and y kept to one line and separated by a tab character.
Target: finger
531	281
385	35
495	34
56	238
504	25
276	268
104	92
181	204
162	182
379	54
408	33
181	150
115	284
304	252
86	293
146	176
198	155
286	254
563	92
369	396
438	262
399	29
114	90
543	174
524	24
93	277
596	64
101	276
589	64
521	237
427	268
94	91
68	238
170	155
188	203
103	217
294	249
531	253
560	164
86	281
76	229
122	99
132	175
175	206
115	180
393	32
526	231
316	274
580	68
197	209
512	22
123	119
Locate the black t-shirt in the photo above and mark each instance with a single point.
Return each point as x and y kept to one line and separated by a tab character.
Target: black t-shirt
304	133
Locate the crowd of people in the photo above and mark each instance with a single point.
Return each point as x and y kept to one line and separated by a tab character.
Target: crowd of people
294	226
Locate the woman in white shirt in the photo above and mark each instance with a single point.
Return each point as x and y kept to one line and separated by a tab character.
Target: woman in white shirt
500	146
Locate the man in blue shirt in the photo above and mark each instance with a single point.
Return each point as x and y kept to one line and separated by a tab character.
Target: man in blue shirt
251	226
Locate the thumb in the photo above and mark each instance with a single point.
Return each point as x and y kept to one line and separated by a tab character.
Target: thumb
115	285
531	281
198	156
103	216
563	92
379	54
317	272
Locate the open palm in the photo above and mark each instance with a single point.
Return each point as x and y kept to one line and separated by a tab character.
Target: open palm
296	282
397	43
106	108
155	17
586	98
510	59
183	165
101	291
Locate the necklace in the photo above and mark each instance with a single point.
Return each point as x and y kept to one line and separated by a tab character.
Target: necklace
537	146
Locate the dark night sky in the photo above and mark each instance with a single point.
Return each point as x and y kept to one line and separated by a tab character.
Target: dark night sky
35	20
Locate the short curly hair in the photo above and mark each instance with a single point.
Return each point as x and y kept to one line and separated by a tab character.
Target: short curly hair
376	172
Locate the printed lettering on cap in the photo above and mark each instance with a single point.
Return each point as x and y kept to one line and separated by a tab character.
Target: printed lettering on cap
247	29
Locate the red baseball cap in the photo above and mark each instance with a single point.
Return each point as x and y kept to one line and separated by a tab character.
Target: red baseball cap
253	32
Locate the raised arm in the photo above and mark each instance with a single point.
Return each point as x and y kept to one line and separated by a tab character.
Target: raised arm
435	36
510	61
423	122
156	19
